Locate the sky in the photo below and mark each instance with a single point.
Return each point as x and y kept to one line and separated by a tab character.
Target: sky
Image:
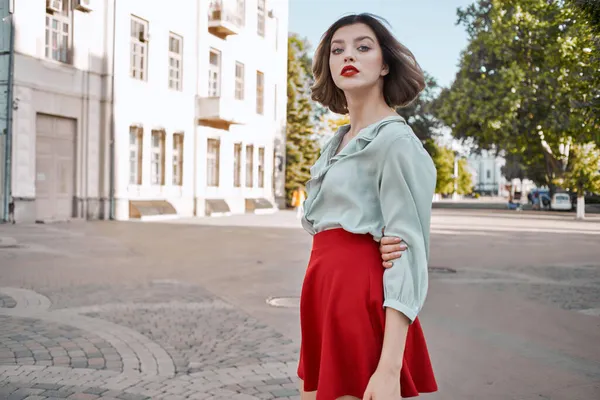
427	27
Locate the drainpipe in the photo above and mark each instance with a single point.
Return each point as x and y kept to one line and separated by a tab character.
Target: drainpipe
195	130
9	110
111	156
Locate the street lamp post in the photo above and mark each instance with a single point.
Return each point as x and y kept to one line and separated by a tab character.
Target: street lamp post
9	109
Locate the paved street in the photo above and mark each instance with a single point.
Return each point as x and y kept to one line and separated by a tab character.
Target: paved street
178	309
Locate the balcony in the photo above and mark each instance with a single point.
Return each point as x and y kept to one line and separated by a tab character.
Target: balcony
225	18
221	112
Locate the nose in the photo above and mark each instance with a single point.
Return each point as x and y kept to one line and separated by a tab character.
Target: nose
349	58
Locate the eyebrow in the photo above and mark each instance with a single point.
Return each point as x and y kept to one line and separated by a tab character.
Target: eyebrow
358	39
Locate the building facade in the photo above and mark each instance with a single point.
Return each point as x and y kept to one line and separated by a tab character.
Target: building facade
139	109
486	170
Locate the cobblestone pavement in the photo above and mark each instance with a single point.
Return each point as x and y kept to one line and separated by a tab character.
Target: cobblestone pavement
191	345
177	310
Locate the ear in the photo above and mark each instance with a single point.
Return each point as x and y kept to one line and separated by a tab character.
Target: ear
385	70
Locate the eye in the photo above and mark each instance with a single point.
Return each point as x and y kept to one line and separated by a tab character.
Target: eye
337	51
364	48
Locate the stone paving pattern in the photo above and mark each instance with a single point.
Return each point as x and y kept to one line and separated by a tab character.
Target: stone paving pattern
28	341
215	351
199	344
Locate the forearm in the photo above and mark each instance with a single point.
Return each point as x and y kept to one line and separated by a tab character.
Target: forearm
394	341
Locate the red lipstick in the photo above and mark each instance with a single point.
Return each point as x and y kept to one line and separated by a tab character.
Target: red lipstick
349	70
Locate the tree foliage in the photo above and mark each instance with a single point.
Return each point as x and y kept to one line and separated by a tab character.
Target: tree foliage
419	113
527	84
583	174
465	179
591	10
444	159
301	147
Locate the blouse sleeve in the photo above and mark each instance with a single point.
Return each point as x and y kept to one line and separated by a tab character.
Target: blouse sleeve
407	186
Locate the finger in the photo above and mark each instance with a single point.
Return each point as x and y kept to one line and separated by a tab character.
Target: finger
387	264
390	248
390	240
391	256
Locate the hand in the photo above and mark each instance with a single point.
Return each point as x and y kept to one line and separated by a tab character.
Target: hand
391	248
383	385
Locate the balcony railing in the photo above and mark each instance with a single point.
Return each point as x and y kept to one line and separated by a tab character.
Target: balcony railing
225	17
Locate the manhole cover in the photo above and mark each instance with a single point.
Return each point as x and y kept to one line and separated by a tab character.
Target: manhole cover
442	270
284	302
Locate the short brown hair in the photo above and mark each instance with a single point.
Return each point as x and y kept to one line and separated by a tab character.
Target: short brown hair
401	85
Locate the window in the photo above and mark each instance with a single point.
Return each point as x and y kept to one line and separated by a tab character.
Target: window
249	165
260	92
139	49
239	81
175	61
178	159
237	165
488	174
214	74
212	162
58	33
260	18
136	135
157	158
261	167
241	10
231	11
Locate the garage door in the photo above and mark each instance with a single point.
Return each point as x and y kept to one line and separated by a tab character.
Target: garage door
54	167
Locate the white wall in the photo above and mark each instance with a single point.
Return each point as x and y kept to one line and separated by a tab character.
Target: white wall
152	104
68	90
83	91
266	54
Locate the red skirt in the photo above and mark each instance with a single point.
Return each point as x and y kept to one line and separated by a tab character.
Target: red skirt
342	321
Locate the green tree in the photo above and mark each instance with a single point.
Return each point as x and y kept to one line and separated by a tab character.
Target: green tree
443	158
583	174
513	168
301	147
589	41
465	179
419	113
526	83
591	10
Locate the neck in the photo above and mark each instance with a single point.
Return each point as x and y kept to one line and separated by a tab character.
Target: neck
366	108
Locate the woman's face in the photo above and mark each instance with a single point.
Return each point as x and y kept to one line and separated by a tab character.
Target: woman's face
356	60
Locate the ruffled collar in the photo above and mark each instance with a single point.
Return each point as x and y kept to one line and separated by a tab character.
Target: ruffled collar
329	158
358	142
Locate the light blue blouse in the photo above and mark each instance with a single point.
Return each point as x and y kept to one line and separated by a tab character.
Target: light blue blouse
382	177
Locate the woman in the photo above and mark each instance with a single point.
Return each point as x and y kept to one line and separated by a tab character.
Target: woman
361	337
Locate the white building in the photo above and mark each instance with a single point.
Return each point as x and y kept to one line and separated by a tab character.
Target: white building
486	169
130	108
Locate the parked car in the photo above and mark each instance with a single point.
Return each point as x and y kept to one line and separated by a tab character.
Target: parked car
561	201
